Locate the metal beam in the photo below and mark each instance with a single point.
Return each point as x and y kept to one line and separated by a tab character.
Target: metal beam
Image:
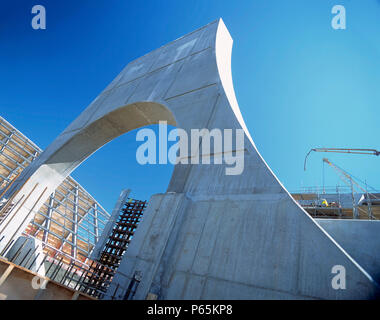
96	226
48	220
75	225
7	139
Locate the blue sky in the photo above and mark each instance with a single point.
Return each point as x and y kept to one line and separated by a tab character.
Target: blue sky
299	83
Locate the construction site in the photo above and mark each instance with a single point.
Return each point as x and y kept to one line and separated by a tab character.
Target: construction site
352	199
59	242
197	240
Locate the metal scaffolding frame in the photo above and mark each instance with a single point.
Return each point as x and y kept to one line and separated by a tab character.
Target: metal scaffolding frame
70	221
100	274
340	203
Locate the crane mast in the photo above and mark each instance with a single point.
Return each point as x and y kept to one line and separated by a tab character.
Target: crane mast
346	178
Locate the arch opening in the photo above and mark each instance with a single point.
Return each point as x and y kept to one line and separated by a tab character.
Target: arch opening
105	129
53	166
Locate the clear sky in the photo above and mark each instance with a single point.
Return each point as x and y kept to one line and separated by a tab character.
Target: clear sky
299	83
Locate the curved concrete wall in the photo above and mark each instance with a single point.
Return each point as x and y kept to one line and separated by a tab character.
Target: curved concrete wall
360	238
211	235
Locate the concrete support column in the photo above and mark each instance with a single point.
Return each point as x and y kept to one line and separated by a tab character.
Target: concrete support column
161	221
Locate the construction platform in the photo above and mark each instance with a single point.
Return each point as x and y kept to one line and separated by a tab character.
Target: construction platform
15	284
340	204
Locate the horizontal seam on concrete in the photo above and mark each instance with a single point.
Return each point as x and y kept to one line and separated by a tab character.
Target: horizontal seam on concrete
257	197
176	40
155	70
213	154
182	94
183	58
247	285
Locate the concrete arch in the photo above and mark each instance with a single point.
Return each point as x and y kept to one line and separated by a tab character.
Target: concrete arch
54	167
164	77
210	236
103	130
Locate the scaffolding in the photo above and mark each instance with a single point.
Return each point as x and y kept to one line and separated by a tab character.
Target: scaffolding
70	221
100	274
338	203
55	269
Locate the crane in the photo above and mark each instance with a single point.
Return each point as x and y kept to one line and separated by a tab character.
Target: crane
343	150
347	178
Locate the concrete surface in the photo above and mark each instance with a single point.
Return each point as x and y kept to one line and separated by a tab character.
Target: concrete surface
210	236
360	238
16	284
